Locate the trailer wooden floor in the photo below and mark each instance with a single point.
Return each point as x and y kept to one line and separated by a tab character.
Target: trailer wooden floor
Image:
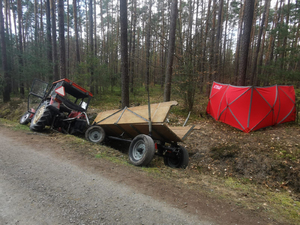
130	122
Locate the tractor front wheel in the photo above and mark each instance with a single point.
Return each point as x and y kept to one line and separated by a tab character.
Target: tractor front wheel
41	118
25	119
178	159
141	150
95	134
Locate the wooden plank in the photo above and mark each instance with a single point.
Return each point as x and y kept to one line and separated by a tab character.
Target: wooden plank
182	132
106	115
160	131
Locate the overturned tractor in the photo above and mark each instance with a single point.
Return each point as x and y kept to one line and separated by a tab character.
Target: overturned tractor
63	107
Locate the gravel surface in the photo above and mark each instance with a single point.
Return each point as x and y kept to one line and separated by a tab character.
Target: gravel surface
39	188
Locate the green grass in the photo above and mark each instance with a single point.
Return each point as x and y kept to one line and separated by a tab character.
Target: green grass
238	185
14	125
279	203
283	154
154	171
112	158
283	203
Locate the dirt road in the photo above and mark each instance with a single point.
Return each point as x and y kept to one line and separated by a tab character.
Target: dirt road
40	188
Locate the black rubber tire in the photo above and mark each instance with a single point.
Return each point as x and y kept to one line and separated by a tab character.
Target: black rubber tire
141	150
25	119
95	134
179	160
41	118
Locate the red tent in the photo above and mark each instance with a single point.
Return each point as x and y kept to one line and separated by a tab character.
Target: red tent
252	108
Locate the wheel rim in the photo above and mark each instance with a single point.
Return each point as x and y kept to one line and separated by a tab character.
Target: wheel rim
95	135
39	114
24	117
138	150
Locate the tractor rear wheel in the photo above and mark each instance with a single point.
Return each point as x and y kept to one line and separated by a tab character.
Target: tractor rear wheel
41	118
95	134
141	150
179	159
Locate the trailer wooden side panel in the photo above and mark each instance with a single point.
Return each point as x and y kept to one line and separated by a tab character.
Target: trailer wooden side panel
130	122
139	114
160	131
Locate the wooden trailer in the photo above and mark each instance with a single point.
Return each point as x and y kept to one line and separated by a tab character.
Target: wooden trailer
147	131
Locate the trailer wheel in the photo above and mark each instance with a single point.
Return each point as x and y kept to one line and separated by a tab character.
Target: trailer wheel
41	118
179	159
95	134
141	150
25	119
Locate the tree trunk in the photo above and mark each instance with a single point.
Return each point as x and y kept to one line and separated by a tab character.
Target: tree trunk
248	18
224	45
20	22
41	21
68	40
103	56
132	52
148	33
190	67
49	46
269	52
238	44
91	46
96	78
36	31
260	60
62	46
95	28
262	27
212	68
171	50
7	17
54	45
124	53
6	89
204	46
14	10
162	51
283	54
76	32
8	7
218	41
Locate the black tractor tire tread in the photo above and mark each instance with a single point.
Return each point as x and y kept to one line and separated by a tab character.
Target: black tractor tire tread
42	122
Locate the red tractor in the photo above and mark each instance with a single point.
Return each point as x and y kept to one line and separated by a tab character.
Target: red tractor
63	107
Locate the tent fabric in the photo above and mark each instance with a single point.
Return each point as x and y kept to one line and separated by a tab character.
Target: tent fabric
250	108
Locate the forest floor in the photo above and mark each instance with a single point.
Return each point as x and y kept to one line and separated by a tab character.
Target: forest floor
257	173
